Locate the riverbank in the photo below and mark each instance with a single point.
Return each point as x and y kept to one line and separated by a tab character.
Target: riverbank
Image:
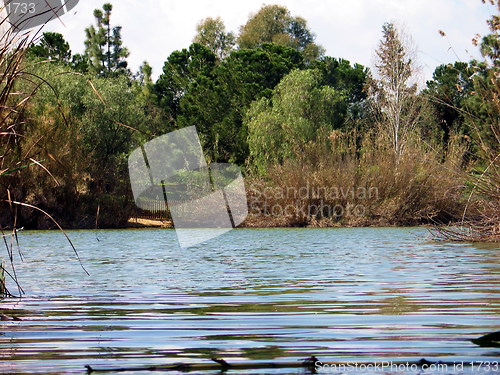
149	223
263	222
452	231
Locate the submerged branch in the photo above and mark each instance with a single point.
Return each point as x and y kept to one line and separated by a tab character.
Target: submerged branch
312	364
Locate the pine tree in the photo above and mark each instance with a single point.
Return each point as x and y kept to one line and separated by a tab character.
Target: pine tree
52	46
146	80
104	46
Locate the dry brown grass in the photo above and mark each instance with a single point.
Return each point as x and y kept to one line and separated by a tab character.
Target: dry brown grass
484	197
483	224
12	103
371	186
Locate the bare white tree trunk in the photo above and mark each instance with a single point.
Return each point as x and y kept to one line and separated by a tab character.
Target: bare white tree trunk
393	93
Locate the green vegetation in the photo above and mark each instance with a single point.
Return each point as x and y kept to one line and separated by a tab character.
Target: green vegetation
104	52
321	141
303	110
275	24
212	34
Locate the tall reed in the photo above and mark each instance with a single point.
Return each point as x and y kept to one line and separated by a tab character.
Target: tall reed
481	216
14	98
352	182
12	102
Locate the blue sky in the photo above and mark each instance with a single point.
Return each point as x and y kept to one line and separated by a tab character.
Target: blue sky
152	29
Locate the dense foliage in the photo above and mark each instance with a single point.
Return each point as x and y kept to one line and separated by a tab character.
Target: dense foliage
268	100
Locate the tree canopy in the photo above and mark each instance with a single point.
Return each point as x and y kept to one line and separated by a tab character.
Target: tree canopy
212	34
52	46
179	71
275	24
103	45
216	102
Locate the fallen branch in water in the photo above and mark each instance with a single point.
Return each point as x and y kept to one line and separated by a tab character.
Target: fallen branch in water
5	318
491	340
312	364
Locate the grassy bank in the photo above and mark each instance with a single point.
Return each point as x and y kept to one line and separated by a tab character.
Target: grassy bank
361	183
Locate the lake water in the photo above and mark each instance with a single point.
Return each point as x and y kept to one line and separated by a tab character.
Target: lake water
359	295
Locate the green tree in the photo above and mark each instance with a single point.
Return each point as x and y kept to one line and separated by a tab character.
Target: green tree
448	91
490	44
351	80
146	80
104	47
179	71
466	95
216	103
484	105
80	63
83	145
275	24
51	46
302	111
212	34
158	122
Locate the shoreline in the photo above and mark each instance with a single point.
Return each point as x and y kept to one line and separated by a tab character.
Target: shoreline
137	223
140	223
436	233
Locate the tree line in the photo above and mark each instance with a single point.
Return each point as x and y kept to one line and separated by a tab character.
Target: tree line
269	100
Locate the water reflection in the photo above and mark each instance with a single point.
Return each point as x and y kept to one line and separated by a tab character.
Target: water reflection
339	294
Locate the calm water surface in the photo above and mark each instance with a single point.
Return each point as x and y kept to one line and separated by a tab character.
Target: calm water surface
356	295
